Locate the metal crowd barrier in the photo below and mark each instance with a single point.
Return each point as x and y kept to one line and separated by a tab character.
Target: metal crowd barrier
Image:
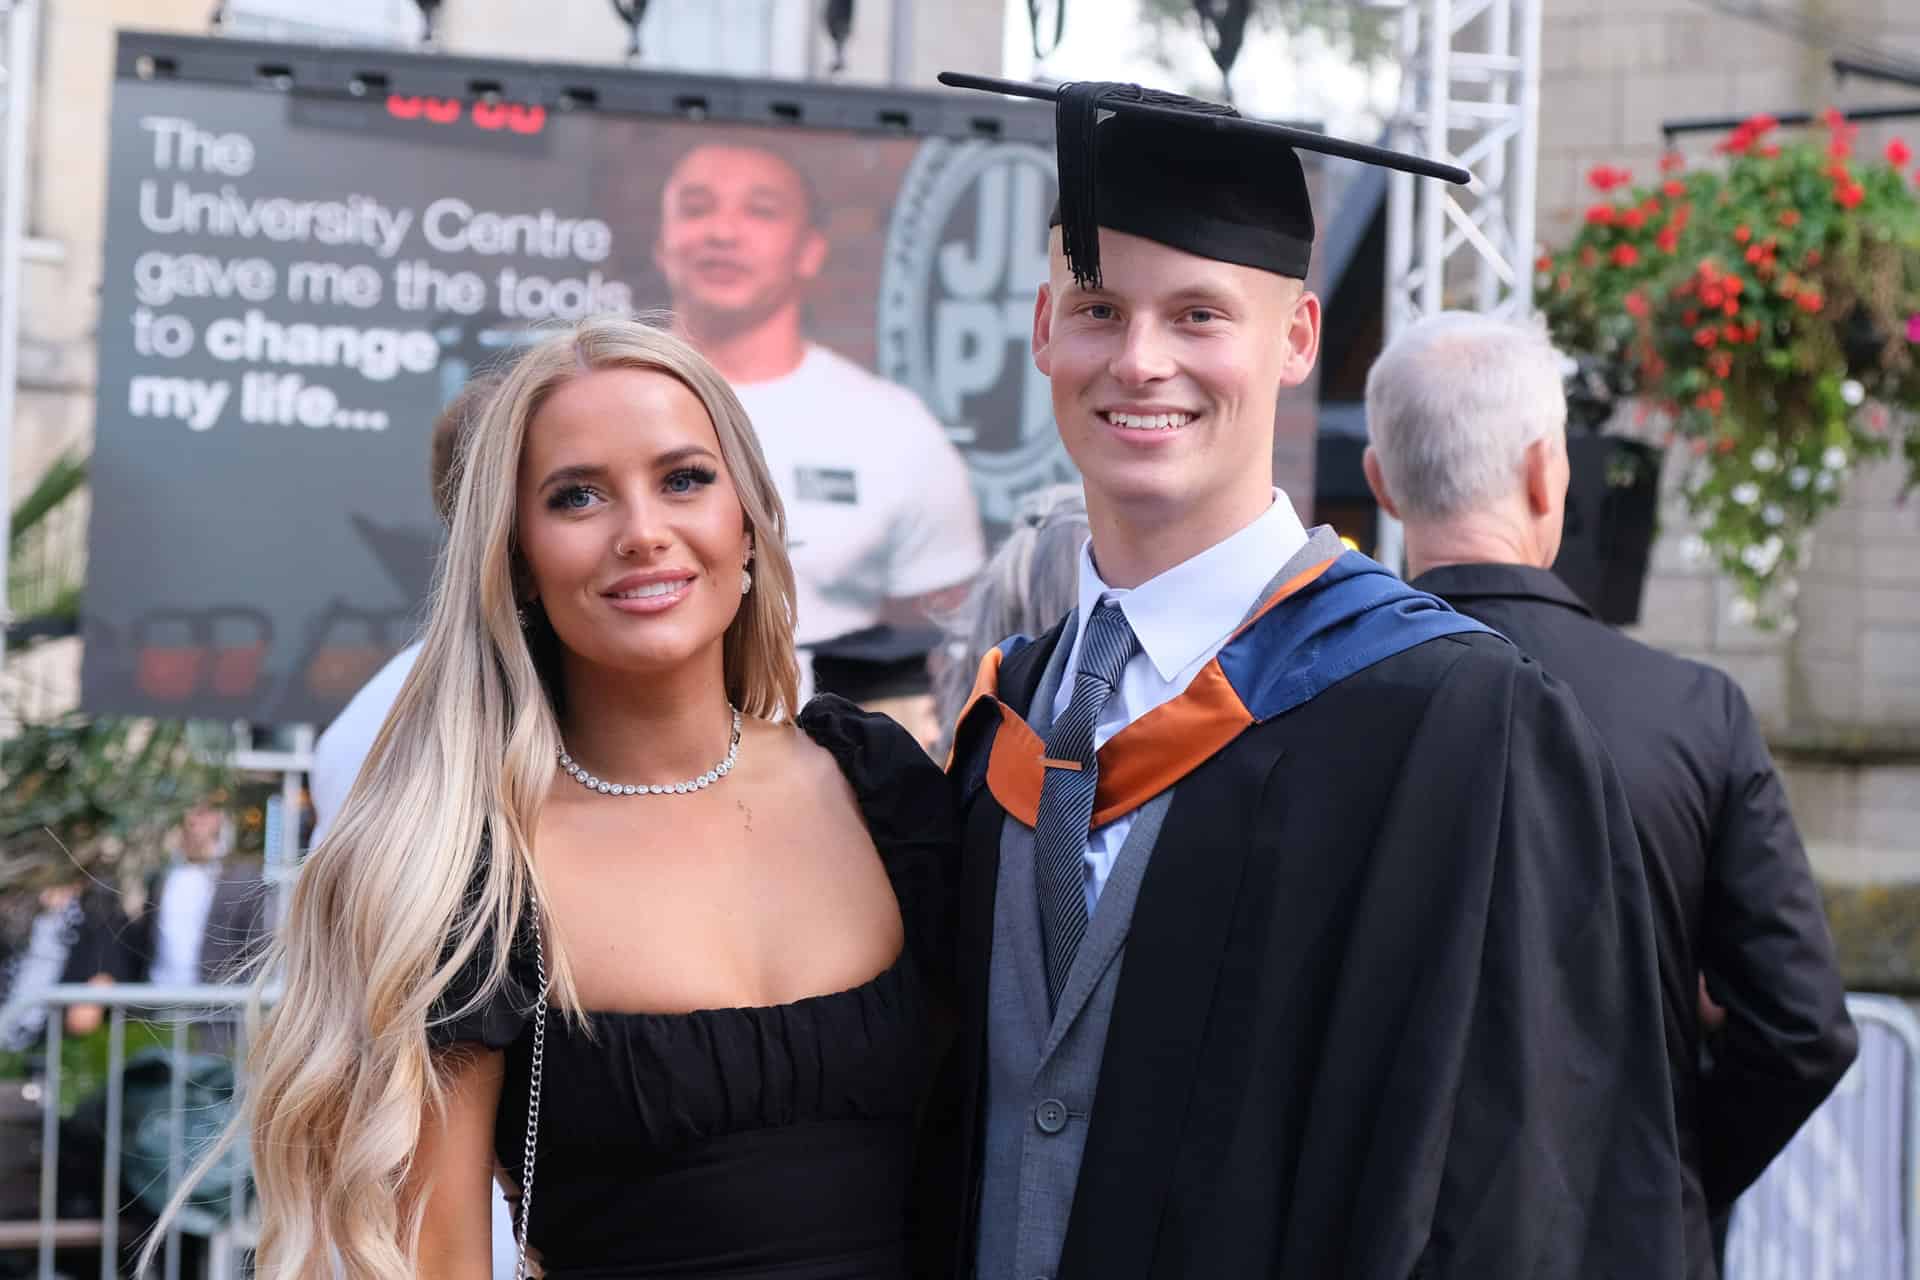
1840	1200
214	1013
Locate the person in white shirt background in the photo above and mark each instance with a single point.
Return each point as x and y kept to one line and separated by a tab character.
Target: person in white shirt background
883	522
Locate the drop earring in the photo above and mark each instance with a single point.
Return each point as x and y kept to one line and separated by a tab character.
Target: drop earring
746	580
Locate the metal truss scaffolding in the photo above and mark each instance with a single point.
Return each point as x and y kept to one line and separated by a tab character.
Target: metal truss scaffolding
1471	95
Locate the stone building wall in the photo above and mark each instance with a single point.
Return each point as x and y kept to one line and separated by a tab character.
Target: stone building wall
1840	696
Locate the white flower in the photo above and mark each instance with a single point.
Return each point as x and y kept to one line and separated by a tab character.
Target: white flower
1834	458
1745	493
1772	515
1823	483
1852	392
1761	557
1798	478
1764	460
1741	609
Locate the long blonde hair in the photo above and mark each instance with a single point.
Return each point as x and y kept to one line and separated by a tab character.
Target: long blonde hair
384	913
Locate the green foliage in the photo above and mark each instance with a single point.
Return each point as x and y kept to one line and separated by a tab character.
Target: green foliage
91	798
61	481
41	606
1770	310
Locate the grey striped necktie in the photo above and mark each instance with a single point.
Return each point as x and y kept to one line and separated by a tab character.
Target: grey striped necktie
1066	793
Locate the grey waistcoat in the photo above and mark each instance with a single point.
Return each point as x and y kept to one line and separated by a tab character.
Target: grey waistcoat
1041	1078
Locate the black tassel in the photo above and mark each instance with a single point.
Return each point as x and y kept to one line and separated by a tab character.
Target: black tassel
1075	118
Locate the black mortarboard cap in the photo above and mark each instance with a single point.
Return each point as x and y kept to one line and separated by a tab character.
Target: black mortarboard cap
874	662
1191	174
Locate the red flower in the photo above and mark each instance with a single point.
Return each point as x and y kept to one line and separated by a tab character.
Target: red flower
1730	307
1898	153
1672	162
1839	147
1769	151
1636	304
1689	316
1625	255
1633	219
1600	215
1674	188
1668	240
1705	336
1605	177
1543	263
1789	217
1734	285
1743	233
1731	333
1756	253
1849	195
1810	301
1833	118
1813	257
1720	363
1839	172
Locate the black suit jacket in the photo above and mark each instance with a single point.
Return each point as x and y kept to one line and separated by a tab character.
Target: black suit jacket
1379	1012
1733	895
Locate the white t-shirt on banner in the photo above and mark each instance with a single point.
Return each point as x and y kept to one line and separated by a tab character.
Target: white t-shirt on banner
878	501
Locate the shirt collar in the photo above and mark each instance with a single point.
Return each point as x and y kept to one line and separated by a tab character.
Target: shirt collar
1181	614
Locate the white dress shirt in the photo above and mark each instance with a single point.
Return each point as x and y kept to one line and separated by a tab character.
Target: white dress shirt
1181	618
186	900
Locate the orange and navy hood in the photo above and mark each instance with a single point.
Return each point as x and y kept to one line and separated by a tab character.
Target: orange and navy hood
1332	620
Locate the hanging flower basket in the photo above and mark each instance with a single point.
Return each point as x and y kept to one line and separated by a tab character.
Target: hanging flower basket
1768	309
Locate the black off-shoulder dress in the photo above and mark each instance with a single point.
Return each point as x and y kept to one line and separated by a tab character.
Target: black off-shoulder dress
748	1143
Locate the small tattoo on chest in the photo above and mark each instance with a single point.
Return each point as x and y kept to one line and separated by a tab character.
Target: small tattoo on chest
745	813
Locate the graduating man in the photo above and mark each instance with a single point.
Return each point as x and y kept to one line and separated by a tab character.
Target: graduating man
1303	931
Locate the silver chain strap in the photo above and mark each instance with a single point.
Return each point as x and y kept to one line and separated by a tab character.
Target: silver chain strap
533	1091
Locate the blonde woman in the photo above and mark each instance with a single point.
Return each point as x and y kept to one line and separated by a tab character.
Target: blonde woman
703	1052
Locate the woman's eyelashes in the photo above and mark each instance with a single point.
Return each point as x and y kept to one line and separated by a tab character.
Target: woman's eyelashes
678	483
688	479
571	497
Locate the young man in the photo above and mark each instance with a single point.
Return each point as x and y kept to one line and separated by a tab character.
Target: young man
1303	931
1467	423
881	515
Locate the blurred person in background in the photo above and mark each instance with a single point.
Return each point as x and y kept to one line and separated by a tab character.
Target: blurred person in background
1466	419
202	920
883	520
1029	584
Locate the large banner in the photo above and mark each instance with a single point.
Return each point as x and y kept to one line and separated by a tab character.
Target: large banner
299	275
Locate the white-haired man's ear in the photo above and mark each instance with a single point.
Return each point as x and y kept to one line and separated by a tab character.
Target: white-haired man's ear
1377	481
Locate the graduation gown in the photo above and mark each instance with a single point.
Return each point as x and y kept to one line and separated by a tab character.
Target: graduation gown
1389	1004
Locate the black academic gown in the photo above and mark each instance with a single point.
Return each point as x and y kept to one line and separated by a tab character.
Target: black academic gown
1733	894
1389	1004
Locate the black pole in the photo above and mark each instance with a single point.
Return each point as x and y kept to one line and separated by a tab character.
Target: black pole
1670	129
1844	67
631	13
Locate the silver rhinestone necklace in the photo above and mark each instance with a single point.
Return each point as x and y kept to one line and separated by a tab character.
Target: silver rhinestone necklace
701	783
